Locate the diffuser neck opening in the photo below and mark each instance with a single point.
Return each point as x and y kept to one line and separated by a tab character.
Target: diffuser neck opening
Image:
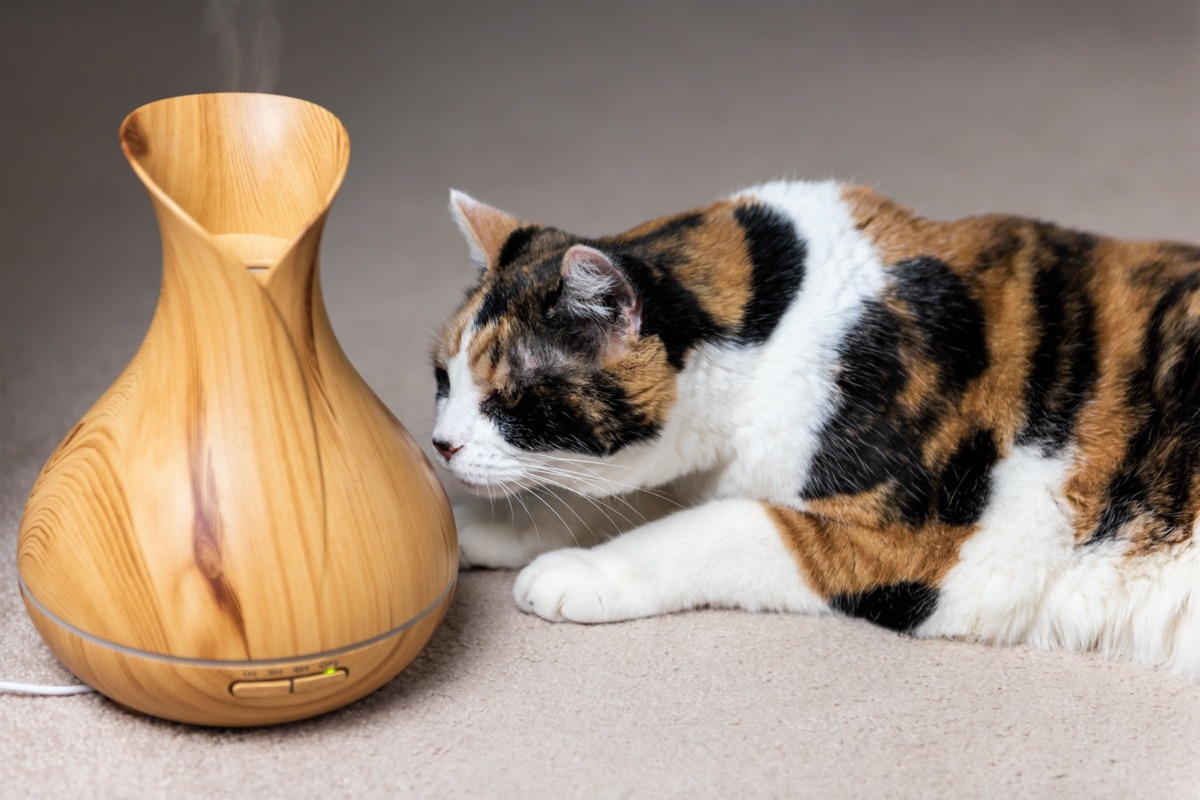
253	172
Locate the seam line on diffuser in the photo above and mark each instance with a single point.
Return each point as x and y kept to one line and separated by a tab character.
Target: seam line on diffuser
206	662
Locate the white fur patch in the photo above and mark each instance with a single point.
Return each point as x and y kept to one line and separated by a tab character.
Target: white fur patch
486	459
788	394
458	202
1004	571
1022	579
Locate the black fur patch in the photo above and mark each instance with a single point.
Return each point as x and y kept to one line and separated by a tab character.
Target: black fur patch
669	310
544	417
966	483
1000	251
1188	252
778	258
514	245
947	317
865	443
900	606
512	287
1124	500
873	440
1063	365
870	441
443	382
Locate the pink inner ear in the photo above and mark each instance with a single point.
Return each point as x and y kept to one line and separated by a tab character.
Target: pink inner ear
486	228
633	319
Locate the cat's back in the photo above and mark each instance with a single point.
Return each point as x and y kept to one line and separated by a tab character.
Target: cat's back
1093	347
962	344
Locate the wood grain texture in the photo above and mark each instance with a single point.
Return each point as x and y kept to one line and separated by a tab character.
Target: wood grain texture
239	493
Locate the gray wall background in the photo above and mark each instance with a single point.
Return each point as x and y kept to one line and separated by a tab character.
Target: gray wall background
589	116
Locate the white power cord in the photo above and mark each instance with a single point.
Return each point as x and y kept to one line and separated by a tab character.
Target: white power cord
31	688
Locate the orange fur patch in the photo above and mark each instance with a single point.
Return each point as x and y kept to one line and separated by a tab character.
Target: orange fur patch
838	554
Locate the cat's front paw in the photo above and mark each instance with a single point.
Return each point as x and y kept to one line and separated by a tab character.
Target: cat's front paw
577	585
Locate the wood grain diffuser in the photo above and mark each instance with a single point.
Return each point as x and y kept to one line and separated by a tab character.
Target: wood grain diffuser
238	532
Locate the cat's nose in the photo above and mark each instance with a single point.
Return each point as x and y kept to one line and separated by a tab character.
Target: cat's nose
446	449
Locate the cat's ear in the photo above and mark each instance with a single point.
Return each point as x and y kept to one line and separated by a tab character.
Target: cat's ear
595	290
486	228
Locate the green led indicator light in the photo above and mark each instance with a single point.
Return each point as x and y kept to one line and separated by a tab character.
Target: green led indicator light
331	670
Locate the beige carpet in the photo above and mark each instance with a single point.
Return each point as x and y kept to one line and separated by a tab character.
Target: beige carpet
593	118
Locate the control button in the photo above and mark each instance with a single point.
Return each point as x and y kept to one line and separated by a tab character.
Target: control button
311	683
260	688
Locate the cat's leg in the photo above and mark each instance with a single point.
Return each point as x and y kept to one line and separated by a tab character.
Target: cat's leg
727	553
509	533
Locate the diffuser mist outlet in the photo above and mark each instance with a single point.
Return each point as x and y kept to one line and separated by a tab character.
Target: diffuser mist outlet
238	532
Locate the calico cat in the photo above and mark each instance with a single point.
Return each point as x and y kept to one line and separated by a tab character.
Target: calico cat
987	428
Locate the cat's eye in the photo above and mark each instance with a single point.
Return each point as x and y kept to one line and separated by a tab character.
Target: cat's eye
508	398
443	381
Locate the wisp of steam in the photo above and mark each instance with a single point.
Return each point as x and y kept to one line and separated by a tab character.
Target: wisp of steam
249	43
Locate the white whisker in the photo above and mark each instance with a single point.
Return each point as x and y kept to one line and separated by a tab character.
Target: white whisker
537	533
604	482
601	508
534	493
582	521
544	473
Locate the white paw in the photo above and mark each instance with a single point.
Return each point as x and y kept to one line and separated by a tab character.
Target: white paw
488	543
575	586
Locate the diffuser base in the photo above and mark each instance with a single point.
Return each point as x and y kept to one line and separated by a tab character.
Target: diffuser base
213	693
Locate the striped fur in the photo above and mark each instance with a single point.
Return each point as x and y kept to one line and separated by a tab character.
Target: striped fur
987	428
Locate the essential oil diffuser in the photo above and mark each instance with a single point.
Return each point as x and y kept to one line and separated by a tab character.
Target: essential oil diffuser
238	532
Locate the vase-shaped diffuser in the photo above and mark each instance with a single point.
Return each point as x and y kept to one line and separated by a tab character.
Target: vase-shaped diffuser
238	532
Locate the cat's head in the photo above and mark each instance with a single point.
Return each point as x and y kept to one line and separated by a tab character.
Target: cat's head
545	371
